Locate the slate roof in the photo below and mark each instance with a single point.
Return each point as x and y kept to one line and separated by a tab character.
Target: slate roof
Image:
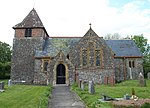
121	48
54	45
30	21
124	48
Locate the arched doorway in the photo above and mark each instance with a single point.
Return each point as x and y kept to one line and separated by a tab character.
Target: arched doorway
61	74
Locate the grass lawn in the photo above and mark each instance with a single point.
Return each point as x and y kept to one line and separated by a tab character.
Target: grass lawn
117	91
25	96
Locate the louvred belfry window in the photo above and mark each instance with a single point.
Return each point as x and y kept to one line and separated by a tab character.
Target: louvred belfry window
28	32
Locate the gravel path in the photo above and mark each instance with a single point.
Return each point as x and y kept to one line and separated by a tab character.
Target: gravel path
62	97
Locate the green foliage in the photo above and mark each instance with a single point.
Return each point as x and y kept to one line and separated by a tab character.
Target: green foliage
112	36
5	59
146	105
117	91
5	70
142	44
5	52
25	96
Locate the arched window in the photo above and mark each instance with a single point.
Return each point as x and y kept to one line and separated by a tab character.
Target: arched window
130	64
133	65
67	56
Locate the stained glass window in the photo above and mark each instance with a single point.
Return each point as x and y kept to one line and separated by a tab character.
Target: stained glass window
97	53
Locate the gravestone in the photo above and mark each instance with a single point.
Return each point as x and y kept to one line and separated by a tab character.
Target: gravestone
9	82
148	75
79	84
82	85
112	80
1	85
142	81
91	87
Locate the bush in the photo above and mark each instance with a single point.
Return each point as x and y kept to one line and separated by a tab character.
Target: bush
5	70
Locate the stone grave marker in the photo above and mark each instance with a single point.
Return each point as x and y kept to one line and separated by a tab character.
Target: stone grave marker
1	85
148	75
91	87
142	81
82	85
79	84
9	82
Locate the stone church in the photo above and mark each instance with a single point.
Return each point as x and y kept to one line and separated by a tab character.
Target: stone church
42	59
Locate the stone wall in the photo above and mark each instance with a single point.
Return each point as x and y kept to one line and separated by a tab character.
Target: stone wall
136	69
22	68
40	76
124	72
98	76
120	69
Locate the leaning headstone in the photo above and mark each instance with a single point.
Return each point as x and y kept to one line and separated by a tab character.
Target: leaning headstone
82	85
91	87
1	85
142	81
148	75
9	82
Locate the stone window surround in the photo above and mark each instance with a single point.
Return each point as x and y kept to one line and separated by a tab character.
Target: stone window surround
55	71
43	63
88	56
28	32
131	63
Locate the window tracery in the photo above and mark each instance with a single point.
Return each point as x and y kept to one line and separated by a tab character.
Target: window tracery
97	52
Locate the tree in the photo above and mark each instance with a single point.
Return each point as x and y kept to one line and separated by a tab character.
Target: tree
5	59
142	44
112	36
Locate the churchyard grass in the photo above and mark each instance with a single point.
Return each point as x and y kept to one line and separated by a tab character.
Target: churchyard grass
25	96
116	91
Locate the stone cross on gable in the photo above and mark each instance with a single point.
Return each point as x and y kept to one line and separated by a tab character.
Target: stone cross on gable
90	25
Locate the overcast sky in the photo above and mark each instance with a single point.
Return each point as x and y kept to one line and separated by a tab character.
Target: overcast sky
72	17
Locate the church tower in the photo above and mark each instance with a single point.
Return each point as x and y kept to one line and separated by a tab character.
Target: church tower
29	36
